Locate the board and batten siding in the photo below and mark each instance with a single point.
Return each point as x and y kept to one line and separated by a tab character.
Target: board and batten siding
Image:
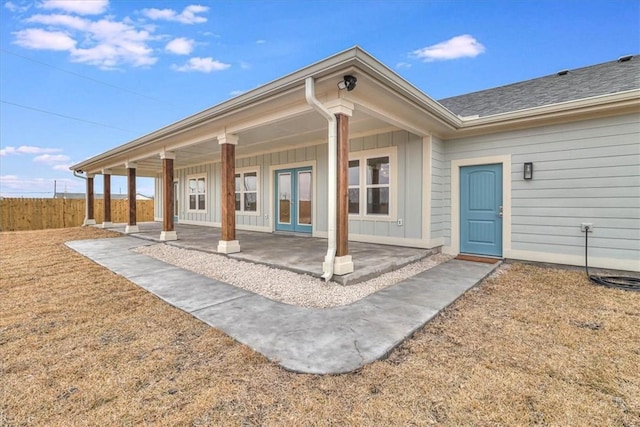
583	172
408	187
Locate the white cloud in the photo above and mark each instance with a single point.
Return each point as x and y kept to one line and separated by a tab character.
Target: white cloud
205	65
261	41
189	14
90	7
464	46
245	65
28	149
180	46
403	65
15	8
105	43
14	185
236	92
64	167
36	38
51	158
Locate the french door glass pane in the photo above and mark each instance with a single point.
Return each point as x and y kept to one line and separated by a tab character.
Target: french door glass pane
284	198
304	198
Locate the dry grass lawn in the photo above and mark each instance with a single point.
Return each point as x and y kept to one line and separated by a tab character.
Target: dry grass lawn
80	345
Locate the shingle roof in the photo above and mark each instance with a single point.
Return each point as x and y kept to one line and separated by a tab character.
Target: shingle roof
600	79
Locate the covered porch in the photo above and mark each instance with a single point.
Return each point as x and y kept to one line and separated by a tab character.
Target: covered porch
288	251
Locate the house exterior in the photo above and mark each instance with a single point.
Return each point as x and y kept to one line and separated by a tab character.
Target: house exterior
66	195
347	150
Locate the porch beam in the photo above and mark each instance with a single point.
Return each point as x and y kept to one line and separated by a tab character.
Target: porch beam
89	218
106	206
228	243
168	232
132	226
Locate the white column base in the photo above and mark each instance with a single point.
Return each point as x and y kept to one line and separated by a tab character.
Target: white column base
228	246
168	235
343	265
89	222
106	225
131	229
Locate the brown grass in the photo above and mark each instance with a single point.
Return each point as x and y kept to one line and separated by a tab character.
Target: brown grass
80	345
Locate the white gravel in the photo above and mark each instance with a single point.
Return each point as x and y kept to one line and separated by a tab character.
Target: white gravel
282	285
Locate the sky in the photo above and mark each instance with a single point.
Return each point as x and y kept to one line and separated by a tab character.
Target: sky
79	77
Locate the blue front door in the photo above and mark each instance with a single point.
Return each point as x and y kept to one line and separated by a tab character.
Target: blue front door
481	210
294	191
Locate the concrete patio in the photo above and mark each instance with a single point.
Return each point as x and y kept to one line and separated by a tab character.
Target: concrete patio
309	340
298	253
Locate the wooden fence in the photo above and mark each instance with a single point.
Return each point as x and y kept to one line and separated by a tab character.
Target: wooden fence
37	214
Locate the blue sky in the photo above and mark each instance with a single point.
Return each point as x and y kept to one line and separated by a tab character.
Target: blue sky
80	77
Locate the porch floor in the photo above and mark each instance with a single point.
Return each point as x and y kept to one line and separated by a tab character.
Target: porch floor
301	254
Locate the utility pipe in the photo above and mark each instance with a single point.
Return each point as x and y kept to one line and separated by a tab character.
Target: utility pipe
327	266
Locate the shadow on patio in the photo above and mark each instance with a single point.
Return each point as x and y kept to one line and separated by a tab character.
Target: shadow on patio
301	254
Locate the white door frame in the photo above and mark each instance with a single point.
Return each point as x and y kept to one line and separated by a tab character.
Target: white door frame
505	160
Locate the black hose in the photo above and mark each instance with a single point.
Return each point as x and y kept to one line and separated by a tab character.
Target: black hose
620	282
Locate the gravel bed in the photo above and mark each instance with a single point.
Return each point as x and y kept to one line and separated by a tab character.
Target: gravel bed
282	285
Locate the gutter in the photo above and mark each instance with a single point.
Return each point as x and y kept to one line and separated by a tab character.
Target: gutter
309	92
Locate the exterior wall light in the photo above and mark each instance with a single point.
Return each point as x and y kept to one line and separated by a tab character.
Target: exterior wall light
349	83
528	170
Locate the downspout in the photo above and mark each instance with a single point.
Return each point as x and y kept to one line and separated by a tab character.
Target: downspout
327	266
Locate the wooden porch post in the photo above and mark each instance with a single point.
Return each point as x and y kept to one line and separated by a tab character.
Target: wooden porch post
228	243
342	223
106	175
168	233
132	226
89	201
343	263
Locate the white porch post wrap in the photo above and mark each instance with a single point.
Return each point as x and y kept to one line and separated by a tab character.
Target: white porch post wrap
168	232
132	226
89	218
228	243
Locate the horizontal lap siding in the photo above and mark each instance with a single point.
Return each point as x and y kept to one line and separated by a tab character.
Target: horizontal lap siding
583	172
437	189
409	186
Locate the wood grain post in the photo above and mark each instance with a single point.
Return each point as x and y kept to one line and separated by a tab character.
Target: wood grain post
107	199
228	243
168	232
132	226
90	217
342	217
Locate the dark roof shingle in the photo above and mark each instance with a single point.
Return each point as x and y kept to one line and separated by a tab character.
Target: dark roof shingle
601	79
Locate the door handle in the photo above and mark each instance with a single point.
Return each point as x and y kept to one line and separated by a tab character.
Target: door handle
500	211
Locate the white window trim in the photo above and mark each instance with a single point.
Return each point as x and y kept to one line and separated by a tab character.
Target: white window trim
241	172
206	194
362	156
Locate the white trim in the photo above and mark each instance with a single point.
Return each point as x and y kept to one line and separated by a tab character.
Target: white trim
241	172
391	241
505	160
188	195
272	189
259	228
362	156
128	229
228	246
559	258
201	223
168	235
427	170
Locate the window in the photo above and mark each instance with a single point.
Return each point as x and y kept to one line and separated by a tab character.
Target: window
247	184
197	193
371	183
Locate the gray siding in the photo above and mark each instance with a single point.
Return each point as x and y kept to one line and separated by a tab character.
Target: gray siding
212	174
409	186
437	188
583	172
